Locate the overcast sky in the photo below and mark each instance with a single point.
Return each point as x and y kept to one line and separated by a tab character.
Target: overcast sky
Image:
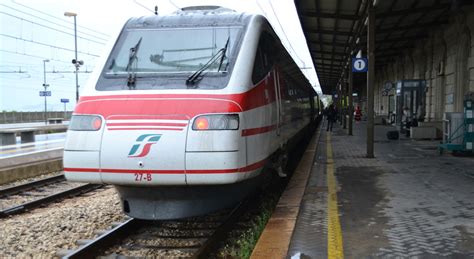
34	30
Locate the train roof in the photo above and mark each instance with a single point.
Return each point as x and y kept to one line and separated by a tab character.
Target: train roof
196	16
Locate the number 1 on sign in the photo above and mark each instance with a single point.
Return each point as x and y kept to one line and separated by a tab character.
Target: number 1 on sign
359	65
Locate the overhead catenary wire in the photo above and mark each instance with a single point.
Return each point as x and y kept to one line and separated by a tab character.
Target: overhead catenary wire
22	68
141	5
57	24
47	45
34	56
39	87
47	72
51	28
286	37
62	20
175	5
282	30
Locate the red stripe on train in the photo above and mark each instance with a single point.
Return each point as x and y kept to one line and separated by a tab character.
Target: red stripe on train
248	168
189	107
255	131
170	117
147	124
184	104
172	129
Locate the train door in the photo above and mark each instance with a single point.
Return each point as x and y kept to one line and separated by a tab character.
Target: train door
265	74
278	101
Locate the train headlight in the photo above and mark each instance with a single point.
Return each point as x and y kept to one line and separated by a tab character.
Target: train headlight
217	122
85	123
201	123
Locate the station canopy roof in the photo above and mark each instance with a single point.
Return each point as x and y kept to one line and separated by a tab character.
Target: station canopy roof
335	28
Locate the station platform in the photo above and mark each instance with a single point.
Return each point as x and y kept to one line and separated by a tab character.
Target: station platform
23	160
408	201
43	143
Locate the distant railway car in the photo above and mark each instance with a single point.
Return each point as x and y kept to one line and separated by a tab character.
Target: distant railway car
186	110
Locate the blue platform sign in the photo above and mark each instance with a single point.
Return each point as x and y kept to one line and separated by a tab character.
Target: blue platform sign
360	65
64	100
45	93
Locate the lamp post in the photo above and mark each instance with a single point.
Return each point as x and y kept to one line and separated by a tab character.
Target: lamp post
76	63
45	87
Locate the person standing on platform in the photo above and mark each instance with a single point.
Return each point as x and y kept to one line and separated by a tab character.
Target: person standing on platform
331	116
358	113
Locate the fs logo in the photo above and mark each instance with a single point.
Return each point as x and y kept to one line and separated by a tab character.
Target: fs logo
143	145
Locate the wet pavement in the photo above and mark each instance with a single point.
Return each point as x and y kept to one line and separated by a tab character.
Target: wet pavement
43	143
407	202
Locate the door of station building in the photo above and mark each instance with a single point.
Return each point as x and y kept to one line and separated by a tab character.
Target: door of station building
410	100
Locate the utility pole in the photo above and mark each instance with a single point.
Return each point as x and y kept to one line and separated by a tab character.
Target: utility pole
77	63
45	95
351	104
370	81
344	101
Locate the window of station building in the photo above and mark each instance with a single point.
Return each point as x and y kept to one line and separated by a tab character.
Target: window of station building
264	57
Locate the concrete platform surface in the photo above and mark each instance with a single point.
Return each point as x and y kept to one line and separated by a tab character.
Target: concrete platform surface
43	143
27	125
407	202
20	161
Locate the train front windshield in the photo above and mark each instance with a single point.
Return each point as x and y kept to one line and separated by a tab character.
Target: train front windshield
175	50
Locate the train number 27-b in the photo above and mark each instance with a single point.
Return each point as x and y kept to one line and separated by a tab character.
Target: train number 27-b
140	177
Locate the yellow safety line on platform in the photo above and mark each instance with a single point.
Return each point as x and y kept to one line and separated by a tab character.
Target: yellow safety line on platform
275	239
12	151
335	248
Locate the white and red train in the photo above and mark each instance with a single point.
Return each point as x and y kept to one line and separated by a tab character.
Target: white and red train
187	111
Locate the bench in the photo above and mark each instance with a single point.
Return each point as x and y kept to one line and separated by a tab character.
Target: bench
55	120
8	136
423	132
437	124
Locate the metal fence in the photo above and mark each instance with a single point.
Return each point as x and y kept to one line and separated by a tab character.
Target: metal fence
22	117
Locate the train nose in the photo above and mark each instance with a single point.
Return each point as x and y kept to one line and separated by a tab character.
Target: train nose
144	150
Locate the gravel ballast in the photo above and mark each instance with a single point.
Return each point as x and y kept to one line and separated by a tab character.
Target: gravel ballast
42	232
36	193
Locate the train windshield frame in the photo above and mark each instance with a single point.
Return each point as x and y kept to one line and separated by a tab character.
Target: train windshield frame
167	53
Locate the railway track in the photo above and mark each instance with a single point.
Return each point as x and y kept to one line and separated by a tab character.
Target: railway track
194	237
39	191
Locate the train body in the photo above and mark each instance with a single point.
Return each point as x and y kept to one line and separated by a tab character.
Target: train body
186	110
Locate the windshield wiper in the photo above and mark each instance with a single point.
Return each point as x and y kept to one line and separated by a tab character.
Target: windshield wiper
132	58
195	76
223	54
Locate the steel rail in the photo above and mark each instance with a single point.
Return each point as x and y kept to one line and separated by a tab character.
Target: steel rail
131	226
92	249
31	185
49	199
212	243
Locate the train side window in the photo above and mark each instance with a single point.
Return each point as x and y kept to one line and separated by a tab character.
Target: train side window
268	44
263	58
258	67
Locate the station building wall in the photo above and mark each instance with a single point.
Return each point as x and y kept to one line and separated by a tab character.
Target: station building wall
445	60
